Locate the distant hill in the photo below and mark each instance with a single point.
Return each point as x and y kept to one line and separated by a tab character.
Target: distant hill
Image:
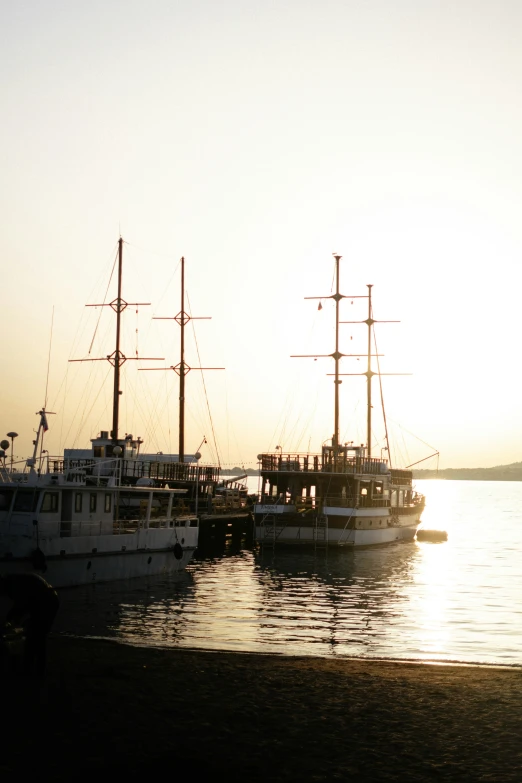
511	472
240	472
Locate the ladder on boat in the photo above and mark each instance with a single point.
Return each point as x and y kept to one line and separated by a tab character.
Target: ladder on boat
321	530
271	529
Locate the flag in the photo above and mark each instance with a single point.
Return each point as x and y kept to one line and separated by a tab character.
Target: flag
43	421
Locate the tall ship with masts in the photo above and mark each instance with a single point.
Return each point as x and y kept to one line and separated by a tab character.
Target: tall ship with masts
103	513
342	495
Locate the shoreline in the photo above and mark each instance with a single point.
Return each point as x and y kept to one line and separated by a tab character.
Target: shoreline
225	651
128	710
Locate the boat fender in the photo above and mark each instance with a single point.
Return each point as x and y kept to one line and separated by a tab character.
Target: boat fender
178	551
432	535
38	560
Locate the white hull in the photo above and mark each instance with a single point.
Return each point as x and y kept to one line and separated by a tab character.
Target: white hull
339	527
104	568
336	537
85	559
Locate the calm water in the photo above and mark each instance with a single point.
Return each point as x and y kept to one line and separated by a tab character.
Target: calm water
456	601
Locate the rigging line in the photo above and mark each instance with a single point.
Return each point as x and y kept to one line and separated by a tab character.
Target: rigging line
278	425
203	379
167	287
351	425
88	412
151	418
79	402
101	308
64	383
49	360
85	394
200	425
380	389
399	425
308	422
169	427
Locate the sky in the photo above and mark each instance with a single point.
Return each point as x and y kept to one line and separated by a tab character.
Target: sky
257	139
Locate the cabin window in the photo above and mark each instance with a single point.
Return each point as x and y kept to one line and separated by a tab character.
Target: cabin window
92	502
377	489
98	451
49	502
78	502
26	500
364	491
108	502
393	500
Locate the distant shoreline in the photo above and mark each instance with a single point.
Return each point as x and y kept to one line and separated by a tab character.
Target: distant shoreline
500	473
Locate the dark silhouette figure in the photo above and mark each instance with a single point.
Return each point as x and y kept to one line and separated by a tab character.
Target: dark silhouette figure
36	603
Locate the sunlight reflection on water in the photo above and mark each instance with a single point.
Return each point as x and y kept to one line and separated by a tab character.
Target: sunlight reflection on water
460	600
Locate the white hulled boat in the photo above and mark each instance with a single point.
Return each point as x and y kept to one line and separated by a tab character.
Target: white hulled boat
341	495
105	516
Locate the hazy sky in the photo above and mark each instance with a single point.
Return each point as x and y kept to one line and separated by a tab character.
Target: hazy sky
256	138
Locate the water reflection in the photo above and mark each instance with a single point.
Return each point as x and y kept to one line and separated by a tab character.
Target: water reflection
323	603
340	602
460	600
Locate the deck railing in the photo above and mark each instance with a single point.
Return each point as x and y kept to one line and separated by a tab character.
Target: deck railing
137	468
315	463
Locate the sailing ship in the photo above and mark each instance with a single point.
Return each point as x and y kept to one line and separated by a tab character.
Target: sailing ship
344	495
103	514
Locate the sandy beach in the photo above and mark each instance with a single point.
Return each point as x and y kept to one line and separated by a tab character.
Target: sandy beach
111	709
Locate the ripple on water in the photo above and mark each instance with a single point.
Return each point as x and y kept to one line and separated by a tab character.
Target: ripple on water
456	601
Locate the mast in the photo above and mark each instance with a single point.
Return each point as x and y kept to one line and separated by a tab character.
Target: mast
117	355
182	322
369	375
182	368
117	358
336	356
370	321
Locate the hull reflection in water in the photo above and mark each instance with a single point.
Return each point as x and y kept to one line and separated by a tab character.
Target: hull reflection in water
455	601
345	603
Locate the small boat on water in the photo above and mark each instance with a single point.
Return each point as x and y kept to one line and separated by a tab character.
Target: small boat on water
101	515
343	495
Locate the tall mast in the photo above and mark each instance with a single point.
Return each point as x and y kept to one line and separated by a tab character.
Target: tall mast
336	356
182	368
369	375
117	356
370	321
182	322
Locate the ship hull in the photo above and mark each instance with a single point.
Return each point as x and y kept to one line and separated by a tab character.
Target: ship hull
375	527
69	562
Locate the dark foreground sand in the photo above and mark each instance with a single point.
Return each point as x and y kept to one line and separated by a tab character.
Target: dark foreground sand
112	711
